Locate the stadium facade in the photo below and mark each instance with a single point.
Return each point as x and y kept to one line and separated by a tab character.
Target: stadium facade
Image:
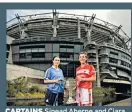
38	38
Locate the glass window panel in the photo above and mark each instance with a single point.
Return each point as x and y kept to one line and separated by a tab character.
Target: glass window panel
40	46
34	49
48	56
55	47
61	45
22	56
77	48
66	55
55	54
28	55
68	46
63	58
48	47
38	55
70	50
63	55
112	60
70	70
28	50
41	49
22	50
71	56
64	69
8	47
16	57
62	49
114	53
76	57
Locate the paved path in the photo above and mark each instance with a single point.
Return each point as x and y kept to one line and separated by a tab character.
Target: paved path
126	102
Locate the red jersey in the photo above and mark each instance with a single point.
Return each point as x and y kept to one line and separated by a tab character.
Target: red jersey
85	72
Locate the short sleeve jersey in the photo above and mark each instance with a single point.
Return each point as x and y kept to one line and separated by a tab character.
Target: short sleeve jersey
53	74
85	72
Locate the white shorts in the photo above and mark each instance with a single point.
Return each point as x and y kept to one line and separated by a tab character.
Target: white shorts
84	96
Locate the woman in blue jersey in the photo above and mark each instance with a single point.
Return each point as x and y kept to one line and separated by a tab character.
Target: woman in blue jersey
55	80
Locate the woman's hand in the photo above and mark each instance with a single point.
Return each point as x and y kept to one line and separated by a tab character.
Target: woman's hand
79	78
57	80
47	81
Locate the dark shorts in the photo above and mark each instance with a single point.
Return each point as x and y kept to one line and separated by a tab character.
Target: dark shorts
50	98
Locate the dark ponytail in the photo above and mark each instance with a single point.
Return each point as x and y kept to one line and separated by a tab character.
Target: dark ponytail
54	57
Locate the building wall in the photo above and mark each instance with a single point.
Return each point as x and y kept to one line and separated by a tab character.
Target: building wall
15	71
39	55
8	49
115	62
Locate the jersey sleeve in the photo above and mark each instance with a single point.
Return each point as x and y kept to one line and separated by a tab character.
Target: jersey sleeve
76	71
92	70
47	74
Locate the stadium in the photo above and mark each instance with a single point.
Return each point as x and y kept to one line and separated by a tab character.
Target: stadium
39	37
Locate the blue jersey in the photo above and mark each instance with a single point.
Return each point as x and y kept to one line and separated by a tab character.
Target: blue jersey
53	74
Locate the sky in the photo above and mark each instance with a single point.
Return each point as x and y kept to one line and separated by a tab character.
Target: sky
116	17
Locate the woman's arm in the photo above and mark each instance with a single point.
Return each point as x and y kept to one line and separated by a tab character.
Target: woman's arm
90	79
47	81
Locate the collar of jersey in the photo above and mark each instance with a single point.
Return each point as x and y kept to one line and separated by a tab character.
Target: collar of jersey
55	68
85	65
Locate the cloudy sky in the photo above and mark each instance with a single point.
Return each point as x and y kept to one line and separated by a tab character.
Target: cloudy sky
116	17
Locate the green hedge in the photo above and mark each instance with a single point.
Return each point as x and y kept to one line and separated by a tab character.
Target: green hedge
103	91
18	87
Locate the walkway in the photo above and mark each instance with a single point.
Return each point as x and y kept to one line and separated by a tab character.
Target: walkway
126	102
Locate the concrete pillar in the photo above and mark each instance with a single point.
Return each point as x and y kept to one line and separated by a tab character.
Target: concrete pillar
89	28
97	69
10	56
79	32
88	34
23	34
54	31
54	26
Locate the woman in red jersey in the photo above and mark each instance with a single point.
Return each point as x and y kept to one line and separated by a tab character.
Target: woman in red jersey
85	75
